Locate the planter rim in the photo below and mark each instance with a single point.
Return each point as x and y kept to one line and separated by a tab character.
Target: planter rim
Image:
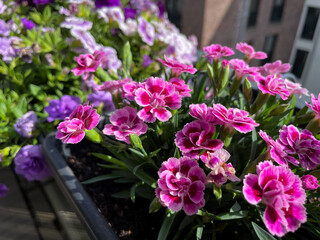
90	216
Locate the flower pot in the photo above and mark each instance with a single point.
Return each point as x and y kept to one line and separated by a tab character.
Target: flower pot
94	222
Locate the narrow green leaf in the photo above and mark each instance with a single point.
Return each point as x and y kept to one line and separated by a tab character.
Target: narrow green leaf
155	205
166	225
100	178
232	215
110	166
253	145
122	194
109	159
261	233
127	58
136	152
217	192
199	232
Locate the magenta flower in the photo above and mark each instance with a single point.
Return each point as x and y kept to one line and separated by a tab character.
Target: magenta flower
309	182
303	144
282	192
146	31
71	130
221	171
87	63
123	123
177	67
155	96
249	51
181	87
216	51
275	68
195	137
129	89
241	68
273	85
204	113
316	105
234	118
112	86
181	184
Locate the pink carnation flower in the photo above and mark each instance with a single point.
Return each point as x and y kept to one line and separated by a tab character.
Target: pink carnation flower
234	118
204	113
71	130
316	105
129	89
195	137
295	88
273	85
123	123
155	96
241	68
112	86
87	63
221	171
303	144
181	184
177	67
249	51
181	87
275	68
216	51
309	182
282	192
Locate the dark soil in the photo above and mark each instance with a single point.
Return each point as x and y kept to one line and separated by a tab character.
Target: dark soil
129	220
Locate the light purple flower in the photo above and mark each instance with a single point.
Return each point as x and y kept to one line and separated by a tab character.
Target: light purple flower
111	14
303	144
129	27
86	38
3	190
110	60
61	108
101	97
30	163
282	192
316	105
71	130
124	122
26	124
146	31
76	23
4	30
309	182
28	24
195	137
181	184
249	51
3	7
146	60
6	49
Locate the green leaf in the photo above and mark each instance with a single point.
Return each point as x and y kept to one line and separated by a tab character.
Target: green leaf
253	145
133	191
34	89
100	178
166	225
155	205
122	194
261	233
93	136
199	232
135	140
217	193
127	58
232	215
109	159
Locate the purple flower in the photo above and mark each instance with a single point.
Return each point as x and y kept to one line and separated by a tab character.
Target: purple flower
42	2
146	60
130	13
107	3
28	24
146	31
181	184
26	124
61	108
3	190
6	49
101	97
3	7
111	60
4	30
86	38
309	182
30	163
76	23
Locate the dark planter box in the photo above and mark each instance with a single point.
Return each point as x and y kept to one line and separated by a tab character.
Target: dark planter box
90	216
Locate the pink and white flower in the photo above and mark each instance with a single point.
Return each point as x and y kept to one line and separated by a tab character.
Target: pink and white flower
155	96
234	118
273	85
309	182
316	105
275	68
177	67
113	86
123	123
195	137
249	51
216	51
204	113
181	184
181	87
295	88
241	68
282	192
87	63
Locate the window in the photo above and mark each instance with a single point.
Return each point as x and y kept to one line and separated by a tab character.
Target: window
253	13
268	46
299	62
310	23
173	8
277	10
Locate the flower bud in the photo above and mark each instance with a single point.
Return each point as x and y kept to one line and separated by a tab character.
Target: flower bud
247	90
309	182
279	109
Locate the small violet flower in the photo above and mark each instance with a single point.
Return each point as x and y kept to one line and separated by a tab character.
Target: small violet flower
177	67
309	182
181	184
282	192
61	108
234	118
155	96
249	51
3	190
146	31
107	3
101	97
71	130
216	51
87	63
195	137
124	122
28	24
30	163
26	124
